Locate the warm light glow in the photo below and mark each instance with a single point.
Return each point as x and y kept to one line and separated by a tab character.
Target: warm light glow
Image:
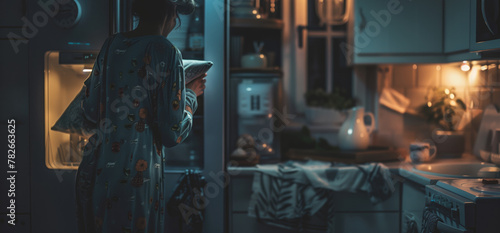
452	96
269	115
429	104
61	83
484	67
438	67
270	150
474	74
85	70
264	145
465	66
447	91
414	66
453	103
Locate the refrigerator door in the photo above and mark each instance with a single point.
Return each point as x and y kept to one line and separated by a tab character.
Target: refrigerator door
204	149
52	182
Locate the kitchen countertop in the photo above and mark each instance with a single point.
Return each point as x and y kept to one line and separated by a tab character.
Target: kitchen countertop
406	170
402	168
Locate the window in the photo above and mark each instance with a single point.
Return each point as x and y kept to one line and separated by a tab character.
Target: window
326	64
319	61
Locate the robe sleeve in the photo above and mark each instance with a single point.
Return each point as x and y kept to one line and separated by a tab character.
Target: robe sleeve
176	104
91	102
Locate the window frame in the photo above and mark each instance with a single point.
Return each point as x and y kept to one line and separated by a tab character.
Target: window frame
295	57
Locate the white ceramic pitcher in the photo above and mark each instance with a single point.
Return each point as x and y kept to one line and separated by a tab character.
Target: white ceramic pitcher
353	134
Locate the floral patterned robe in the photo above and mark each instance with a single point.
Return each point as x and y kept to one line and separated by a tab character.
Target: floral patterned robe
138	105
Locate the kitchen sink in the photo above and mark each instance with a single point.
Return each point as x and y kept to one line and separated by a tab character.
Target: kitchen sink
461	170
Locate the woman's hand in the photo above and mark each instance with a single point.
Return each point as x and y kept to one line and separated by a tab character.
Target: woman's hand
198	85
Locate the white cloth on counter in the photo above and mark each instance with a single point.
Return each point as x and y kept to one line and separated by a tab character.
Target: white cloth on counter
394	100
288	194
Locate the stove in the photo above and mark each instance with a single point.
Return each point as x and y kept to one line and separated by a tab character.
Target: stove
473	188
465	205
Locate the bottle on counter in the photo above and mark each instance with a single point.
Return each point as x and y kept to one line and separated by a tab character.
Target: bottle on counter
195	36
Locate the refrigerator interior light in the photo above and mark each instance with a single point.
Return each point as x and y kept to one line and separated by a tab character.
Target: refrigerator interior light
87	69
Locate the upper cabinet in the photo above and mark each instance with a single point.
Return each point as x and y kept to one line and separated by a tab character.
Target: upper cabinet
457	31
456	25
398	27
423	31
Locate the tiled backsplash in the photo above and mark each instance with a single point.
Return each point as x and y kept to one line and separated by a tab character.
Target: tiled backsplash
477	87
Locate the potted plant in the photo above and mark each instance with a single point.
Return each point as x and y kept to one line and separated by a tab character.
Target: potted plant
327	108
445	110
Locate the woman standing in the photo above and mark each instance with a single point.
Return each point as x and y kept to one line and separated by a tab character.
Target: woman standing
137	101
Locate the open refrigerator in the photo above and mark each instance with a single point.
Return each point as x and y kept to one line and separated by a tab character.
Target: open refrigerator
60	59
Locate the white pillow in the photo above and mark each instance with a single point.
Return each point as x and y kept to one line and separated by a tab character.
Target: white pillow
195	68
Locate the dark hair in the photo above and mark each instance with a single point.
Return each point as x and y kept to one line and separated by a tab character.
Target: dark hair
155	10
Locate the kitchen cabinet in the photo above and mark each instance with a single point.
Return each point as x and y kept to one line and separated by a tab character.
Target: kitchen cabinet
424	31
457	28
366	222
412	206
398	27
456	25
353	211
